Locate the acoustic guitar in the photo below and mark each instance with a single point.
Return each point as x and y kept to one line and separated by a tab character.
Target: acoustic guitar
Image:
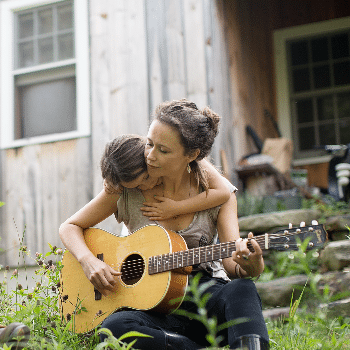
150	281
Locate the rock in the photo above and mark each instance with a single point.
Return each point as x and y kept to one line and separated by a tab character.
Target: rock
338	223
261	223
276	313
336	255
279	292
336	281
337	308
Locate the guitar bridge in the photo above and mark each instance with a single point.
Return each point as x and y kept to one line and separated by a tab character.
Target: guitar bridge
98	295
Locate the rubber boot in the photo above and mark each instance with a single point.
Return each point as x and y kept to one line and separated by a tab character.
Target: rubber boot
176	341
251	342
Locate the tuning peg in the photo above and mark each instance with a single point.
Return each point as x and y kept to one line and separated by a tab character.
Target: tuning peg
302	224
314	222
290	225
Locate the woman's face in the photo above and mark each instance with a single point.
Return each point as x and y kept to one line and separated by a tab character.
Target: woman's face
164	152
143	182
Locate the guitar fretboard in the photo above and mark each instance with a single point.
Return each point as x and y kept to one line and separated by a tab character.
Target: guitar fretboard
283	240
194	256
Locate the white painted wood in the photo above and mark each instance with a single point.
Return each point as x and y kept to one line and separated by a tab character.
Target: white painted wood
174	28
156	76
195	52
100	83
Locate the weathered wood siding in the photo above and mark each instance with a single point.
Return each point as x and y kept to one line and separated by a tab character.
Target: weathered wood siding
41	185
142	52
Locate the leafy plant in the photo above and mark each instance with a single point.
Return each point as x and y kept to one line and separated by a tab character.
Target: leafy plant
290	263
113	343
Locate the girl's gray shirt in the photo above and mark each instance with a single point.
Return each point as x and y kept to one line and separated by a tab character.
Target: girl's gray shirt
201	232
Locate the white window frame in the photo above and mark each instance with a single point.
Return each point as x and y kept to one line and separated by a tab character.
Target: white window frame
281	38
82	72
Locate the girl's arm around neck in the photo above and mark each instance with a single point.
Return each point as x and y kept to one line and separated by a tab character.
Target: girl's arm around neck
166	208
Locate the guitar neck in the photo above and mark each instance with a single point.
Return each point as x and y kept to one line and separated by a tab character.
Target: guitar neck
194	256
282	240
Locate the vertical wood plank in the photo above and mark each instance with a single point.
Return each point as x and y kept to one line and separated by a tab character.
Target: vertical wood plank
218	78
156	51
196	71
174	30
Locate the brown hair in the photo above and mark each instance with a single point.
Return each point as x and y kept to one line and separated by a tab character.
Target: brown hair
123	159
197	130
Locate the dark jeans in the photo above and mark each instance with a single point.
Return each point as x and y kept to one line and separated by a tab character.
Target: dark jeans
229	301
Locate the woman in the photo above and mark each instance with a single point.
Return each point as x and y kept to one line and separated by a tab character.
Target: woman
178	138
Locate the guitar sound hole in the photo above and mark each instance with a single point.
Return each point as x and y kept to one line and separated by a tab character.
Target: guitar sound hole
132	269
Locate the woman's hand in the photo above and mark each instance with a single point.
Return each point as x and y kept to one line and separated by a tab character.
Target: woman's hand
252	263
164	209
101	275
112	189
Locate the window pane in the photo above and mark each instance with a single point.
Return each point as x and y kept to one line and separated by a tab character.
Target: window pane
65	17
26	25
322	77
299	53
301	81
325	108
304	111
48	108
342	73
26	54
307	138
340	46
327	134
344	128
65	46
319	49
45	21
344	105
45	50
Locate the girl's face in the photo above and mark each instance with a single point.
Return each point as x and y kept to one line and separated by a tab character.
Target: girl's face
164	152
143	182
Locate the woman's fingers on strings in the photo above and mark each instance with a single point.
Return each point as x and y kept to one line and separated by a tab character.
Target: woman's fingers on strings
254	243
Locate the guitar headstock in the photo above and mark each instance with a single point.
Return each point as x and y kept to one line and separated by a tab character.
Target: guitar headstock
291	238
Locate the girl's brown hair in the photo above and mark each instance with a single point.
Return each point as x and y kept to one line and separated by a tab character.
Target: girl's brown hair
123	159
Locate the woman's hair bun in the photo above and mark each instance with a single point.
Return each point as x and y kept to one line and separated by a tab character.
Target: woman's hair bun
212	118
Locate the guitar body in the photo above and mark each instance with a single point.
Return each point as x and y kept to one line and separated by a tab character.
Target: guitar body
136	290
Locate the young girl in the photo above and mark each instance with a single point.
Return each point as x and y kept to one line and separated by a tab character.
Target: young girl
123	165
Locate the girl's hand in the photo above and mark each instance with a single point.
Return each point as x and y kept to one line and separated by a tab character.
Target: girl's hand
101	275
164	209
109	188
251	262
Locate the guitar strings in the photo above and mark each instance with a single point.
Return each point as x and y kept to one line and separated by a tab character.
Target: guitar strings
260	240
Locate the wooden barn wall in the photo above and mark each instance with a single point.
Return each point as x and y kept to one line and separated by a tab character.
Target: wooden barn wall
142	52
41	186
